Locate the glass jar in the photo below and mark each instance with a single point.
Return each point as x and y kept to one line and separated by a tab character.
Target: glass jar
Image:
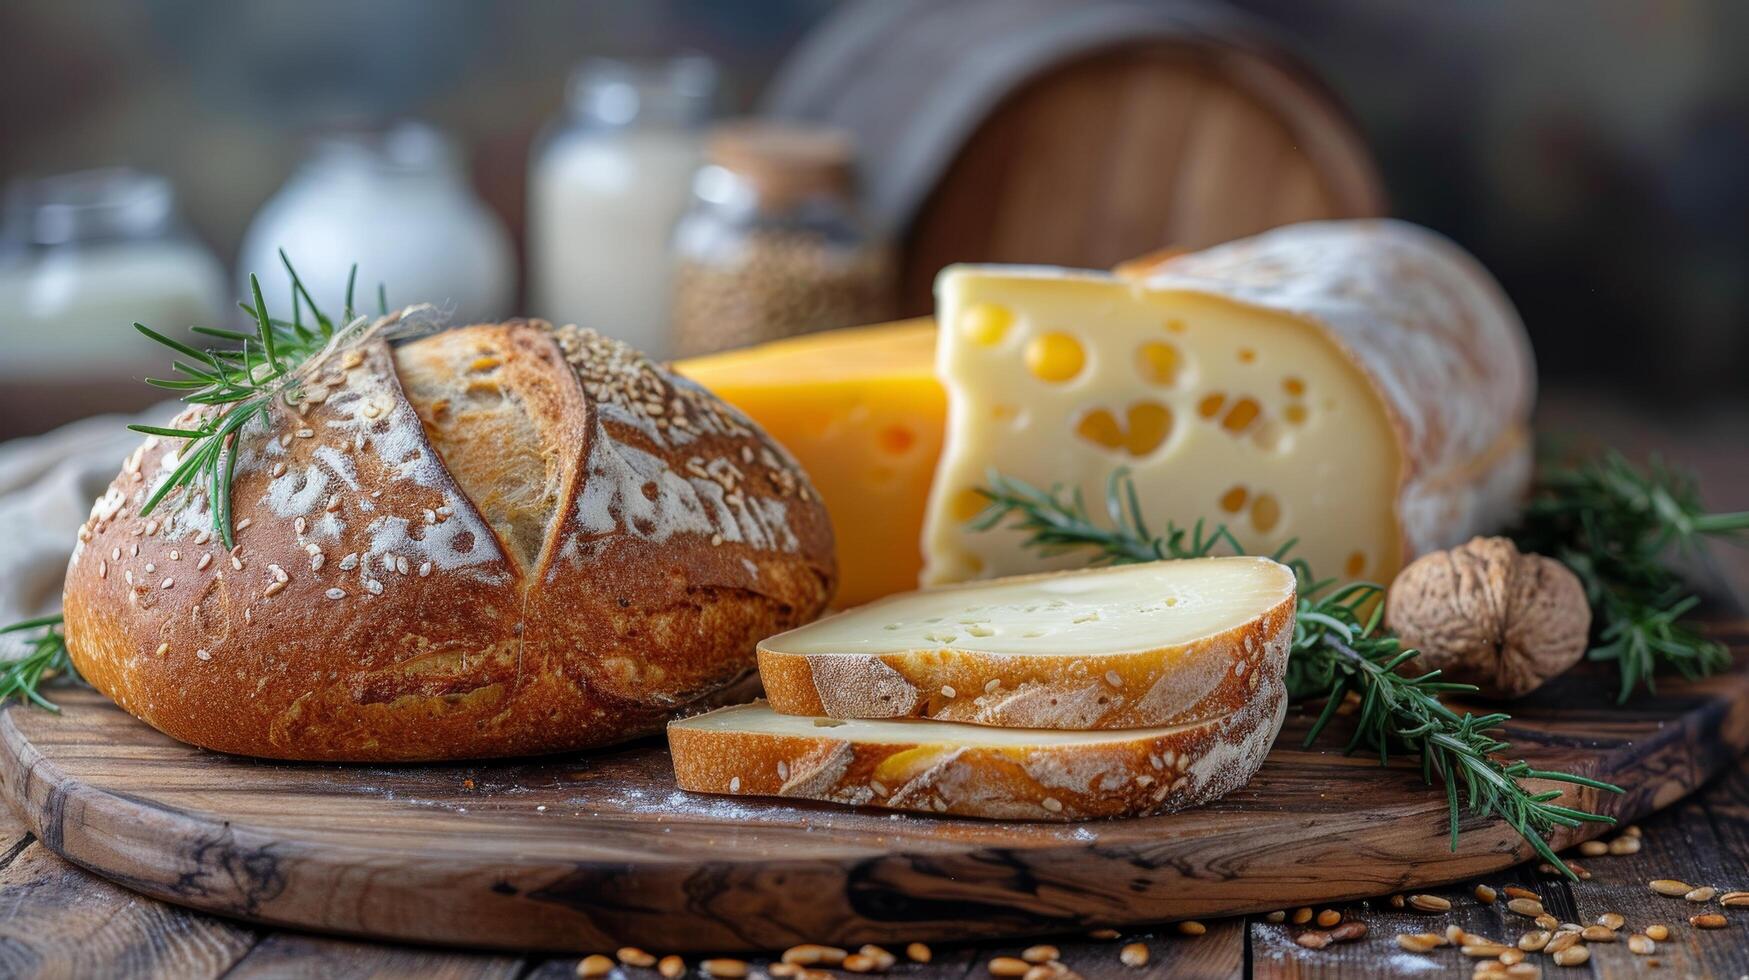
82	256
773	244
397	202
604	189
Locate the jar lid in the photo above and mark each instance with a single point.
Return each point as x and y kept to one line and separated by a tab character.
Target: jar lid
618	92
785	162
402	148
88	205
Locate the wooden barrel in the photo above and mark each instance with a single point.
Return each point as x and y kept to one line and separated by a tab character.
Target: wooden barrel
1073	132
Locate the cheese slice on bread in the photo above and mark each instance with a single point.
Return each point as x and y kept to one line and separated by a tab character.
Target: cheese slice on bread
1132	646
973	770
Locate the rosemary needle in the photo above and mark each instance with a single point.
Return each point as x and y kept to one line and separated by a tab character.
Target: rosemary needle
1338	649
45	657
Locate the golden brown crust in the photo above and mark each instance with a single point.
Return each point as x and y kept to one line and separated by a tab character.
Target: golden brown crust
1197	681
1135	773
375	610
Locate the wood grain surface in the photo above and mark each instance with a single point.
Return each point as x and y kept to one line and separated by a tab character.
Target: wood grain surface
594	851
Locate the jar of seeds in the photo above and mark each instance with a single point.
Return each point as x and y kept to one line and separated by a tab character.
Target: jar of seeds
772	244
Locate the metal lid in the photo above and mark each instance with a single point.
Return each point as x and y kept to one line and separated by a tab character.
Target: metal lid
617	92
88	205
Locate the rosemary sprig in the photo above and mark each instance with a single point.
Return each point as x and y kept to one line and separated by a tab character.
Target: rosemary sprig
239	383
45	658
1614	524
1338	649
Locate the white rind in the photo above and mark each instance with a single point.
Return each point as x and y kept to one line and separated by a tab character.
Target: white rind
1433	332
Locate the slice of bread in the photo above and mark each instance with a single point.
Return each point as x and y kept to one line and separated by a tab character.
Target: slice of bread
973	770
1132	646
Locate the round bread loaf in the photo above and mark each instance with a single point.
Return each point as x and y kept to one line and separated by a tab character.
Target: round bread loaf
494	540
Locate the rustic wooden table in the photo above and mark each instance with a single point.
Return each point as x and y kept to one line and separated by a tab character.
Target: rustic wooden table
57	920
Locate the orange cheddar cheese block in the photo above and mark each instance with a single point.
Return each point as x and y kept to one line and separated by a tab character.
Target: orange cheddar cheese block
862	411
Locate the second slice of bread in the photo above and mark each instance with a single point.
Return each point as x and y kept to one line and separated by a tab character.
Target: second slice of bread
1134	646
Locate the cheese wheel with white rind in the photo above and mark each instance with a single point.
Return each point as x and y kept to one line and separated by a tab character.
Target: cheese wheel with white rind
1362	388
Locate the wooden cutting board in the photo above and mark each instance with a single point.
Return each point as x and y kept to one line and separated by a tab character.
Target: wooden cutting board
593	851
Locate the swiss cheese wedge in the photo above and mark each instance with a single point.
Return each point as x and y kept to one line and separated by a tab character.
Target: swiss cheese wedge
1130	646
970	770
1361	388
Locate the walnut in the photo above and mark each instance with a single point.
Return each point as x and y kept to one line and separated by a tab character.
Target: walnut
1487	615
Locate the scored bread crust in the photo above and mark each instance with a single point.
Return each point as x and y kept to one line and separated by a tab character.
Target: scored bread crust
1136	773
1205	678
615	545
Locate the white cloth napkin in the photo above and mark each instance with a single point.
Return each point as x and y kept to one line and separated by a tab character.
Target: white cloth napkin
47	485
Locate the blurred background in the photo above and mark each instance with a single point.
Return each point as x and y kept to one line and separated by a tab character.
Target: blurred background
592	161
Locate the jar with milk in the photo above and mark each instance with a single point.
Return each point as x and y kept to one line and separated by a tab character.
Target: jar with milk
606	186
82	256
